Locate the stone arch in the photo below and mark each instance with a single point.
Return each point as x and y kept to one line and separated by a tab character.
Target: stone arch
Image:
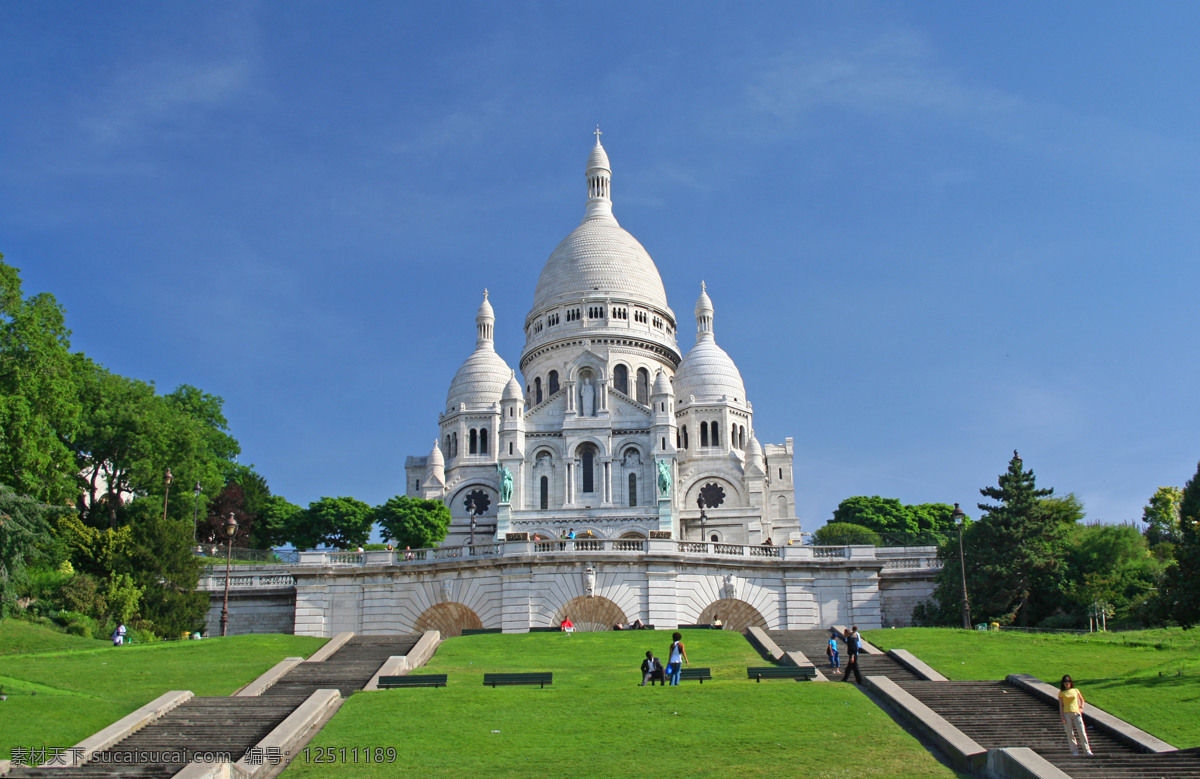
450	618
734	495
591	614
634	535
736	614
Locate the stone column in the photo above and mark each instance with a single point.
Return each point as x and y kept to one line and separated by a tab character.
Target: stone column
608	488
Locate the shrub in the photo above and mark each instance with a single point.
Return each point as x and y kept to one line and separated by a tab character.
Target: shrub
82	626
845	534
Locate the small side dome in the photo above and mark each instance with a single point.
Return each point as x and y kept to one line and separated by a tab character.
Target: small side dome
661	385
435	456
754	448
480	380
707	372
512	390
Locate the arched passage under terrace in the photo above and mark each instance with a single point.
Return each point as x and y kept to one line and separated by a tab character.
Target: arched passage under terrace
735	614
590	615
448	618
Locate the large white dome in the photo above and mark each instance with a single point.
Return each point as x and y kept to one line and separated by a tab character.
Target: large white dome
599	258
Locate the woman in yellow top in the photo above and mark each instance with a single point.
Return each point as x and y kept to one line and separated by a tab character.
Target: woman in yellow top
1070	707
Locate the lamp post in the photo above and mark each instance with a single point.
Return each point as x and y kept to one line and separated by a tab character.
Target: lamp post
229	527
703	519
473	525
196	513
960	519
166	491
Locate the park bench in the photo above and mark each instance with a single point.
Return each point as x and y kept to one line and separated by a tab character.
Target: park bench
423	680
540	678
796	672
480	631
698	627
546	629
699	674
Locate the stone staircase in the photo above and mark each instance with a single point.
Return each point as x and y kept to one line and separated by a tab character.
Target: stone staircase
812	644
231	726
1000	714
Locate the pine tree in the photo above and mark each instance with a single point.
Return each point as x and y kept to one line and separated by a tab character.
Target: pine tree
1017	548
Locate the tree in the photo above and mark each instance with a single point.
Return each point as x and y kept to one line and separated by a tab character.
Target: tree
895	521
23	523
275	519
845	534
39	397
1161	515
413	522
1017	546
1181	586
161	564
337	522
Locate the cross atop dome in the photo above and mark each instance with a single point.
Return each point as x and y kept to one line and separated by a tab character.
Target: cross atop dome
598	133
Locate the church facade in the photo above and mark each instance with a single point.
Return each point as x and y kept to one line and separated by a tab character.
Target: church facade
611	431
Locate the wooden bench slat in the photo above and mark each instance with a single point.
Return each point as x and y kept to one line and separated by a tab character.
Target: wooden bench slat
422	680
700	674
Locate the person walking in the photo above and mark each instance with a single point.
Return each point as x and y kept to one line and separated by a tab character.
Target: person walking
1070	708
851	658
831	650
676	658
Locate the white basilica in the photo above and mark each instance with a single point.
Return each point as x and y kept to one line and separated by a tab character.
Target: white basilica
613	433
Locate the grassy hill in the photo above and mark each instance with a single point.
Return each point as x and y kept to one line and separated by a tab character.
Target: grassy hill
63	688
1150	678
596	721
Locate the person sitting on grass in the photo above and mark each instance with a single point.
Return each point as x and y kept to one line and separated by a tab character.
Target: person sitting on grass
652	669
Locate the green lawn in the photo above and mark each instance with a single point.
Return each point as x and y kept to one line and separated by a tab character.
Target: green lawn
596	721
1150	678
64	688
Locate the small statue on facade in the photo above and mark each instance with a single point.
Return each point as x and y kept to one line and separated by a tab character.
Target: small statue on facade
506	483
589	580
729	589
664	478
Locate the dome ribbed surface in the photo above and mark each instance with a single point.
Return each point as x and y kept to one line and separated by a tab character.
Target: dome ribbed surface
598	159
599	258
708	373
480	380
512	390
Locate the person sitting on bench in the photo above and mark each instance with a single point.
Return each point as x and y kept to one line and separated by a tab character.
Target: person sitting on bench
652	669
567	625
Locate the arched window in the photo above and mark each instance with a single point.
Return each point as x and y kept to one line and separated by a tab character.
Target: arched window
544	492
633	489
621	379
454	444
643	386
537	390
716	440
510	445
704	434
741	437
447	447
685	438
483	440
553	381
587	457
473	442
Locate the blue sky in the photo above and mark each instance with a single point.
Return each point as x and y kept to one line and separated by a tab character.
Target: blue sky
933	232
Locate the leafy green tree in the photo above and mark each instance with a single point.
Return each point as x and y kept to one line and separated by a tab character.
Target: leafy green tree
413	522
275	519
24	522
1161	515
890	517
1017	547
845	534
39	395
1181	586
1111	564
337	522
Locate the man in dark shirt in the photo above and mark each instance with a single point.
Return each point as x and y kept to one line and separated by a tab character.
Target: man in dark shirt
851	658
652	669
